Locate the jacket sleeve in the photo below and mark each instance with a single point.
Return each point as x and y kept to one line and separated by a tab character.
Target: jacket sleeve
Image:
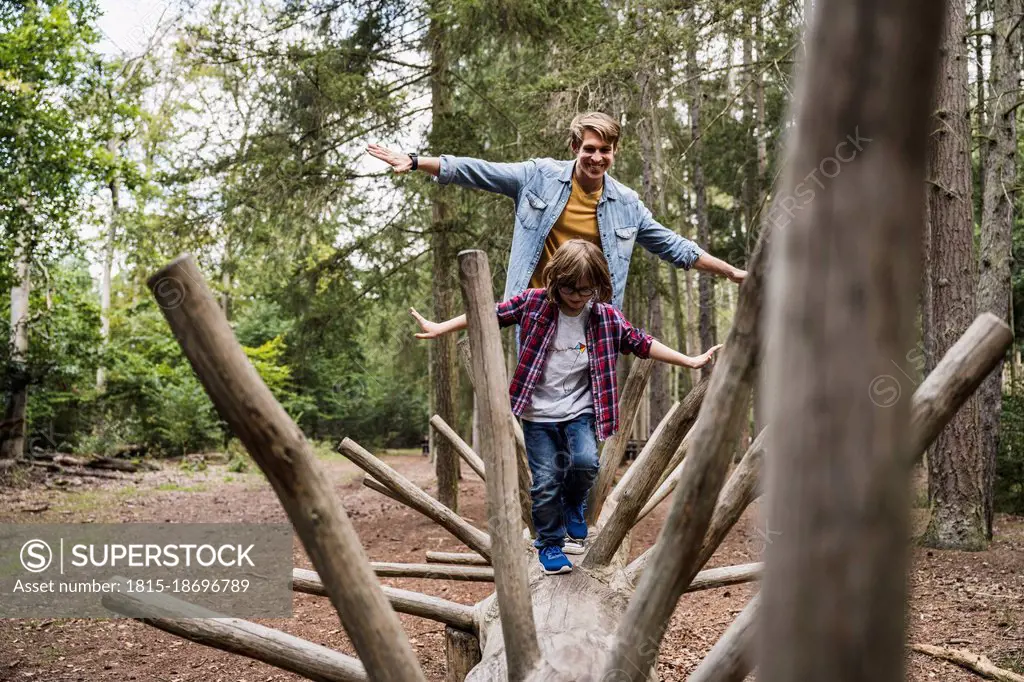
631	339
665	243
501	178
513	310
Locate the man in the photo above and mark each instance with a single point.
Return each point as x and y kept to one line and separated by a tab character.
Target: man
561	200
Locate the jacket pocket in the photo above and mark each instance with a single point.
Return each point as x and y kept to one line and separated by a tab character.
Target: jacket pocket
625	237
530	210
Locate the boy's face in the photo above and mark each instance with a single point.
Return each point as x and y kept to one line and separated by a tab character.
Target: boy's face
594	156
575	298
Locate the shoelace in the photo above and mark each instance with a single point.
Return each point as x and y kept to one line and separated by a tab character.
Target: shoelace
551	552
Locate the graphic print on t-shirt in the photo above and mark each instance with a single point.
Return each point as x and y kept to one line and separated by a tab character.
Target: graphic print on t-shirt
563	390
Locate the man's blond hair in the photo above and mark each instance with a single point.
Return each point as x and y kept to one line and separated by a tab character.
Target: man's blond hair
602	124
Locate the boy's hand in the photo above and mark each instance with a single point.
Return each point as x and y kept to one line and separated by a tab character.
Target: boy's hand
399	162
431	330
706	357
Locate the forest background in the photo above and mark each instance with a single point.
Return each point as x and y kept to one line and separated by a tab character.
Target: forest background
234	130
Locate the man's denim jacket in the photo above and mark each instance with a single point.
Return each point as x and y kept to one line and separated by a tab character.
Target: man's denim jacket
541	188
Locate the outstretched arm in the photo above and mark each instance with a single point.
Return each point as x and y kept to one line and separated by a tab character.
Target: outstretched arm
663	353
465	171
709	263
679	250
402	163
432	330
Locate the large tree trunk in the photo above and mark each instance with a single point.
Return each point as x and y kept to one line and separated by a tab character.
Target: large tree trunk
1000	179
647	130
956	476
108	264
705	281
13	427
444	376
980	104
841	306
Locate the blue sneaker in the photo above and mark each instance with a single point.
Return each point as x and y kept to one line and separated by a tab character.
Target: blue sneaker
553	560
576	522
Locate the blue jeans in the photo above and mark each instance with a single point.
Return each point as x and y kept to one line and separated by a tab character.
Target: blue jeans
563	460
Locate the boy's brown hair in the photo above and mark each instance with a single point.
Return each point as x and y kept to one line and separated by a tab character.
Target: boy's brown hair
602	124
574	261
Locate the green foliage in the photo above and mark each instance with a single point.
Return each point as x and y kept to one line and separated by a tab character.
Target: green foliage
1009	483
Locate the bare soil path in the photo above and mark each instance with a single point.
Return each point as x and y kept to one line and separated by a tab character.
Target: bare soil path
969	601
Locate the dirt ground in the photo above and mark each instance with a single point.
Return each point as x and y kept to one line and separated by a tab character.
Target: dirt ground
968	601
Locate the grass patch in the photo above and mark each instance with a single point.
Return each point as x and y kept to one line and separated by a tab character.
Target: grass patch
95	500
176	487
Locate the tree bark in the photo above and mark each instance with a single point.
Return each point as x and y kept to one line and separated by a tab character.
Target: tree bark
647	131
444	375
462	653
705	282
13	428
956	473
1000	174
109	245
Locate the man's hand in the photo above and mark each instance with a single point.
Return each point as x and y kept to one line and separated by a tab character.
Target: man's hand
738	275
431	330
705	358
399	162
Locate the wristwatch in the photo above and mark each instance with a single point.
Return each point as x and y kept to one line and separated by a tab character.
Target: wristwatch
415	160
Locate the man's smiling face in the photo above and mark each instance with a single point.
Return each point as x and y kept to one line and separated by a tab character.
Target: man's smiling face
594	156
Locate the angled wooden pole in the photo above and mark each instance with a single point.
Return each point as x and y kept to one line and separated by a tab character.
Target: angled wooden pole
468	558
403	601
673	563
388	569
669	481
692	401
615	448
413	495
842	310
647	470
236	636
461	446
522	464
282	453
498	442
732	657
378	487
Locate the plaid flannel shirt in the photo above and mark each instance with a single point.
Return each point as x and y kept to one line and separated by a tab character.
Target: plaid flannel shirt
608	333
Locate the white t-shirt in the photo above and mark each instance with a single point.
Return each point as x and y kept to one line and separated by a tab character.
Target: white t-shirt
563	390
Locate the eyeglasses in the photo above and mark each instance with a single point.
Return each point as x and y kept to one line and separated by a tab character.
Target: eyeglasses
569	291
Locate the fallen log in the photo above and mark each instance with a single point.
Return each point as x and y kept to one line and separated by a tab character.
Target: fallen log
53	467
974	662
115	464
